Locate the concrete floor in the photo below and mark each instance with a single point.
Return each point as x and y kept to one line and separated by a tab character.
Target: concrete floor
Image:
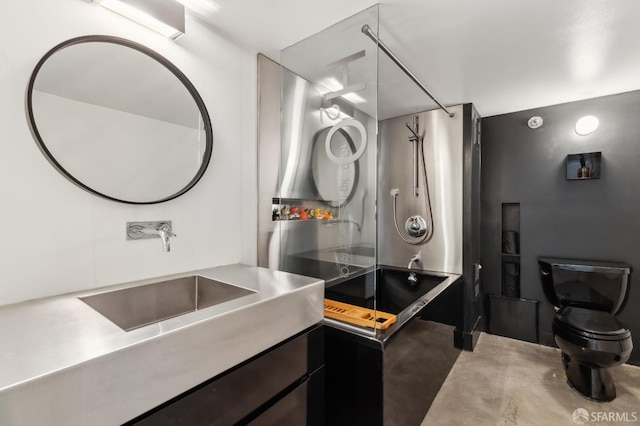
509	382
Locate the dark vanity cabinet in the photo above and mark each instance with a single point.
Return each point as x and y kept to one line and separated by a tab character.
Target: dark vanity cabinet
281	386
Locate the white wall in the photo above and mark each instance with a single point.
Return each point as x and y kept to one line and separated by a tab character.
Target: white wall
57	238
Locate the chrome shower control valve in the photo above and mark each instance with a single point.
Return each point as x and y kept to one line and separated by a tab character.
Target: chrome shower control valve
416	226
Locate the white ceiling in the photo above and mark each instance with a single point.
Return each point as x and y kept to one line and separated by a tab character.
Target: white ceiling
502	55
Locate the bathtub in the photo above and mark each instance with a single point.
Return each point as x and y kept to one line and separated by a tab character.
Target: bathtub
388	289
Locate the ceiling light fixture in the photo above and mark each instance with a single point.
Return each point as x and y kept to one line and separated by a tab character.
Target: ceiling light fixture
587	125
535	122
162	16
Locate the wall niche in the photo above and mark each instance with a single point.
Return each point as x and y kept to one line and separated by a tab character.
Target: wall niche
510	255
584	166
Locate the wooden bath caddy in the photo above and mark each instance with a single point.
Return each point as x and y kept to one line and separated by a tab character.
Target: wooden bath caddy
357	315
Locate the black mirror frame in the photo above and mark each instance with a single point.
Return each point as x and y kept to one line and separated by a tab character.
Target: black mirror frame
157	57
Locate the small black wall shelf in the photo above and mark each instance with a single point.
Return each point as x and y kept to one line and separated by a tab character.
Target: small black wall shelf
584	166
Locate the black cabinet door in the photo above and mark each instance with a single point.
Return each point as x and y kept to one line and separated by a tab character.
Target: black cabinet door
252	387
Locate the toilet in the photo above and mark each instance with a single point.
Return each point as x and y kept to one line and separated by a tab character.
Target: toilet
587	295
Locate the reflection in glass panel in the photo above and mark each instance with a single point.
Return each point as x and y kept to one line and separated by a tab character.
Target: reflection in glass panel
326	204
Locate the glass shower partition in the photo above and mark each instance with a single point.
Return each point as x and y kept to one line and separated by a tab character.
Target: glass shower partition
326	206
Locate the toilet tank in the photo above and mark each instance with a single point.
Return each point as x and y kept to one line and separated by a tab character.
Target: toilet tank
586	284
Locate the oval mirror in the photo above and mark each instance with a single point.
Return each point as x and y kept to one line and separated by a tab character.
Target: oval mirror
119	120
335	183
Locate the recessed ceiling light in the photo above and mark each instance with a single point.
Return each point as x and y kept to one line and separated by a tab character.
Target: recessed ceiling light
586	125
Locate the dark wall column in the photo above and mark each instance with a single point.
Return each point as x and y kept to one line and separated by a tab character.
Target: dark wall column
472	313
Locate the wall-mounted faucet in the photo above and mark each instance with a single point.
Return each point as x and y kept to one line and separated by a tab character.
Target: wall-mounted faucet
415	258
144	230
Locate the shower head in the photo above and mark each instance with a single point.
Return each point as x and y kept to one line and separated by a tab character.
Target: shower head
415	135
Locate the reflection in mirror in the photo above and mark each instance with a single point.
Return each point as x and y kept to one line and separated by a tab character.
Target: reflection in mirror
335	183
119	120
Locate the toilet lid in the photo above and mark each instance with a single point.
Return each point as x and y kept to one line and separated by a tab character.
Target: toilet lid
592	322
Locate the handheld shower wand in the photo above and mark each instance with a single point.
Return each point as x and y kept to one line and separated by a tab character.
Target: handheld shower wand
415	140
416	226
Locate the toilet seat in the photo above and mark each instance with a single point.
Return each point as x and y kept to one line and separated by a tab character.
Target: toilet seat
591	324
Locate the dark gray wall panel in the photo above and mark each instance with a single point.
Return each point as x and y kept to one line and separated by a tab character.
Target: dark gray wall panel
593	219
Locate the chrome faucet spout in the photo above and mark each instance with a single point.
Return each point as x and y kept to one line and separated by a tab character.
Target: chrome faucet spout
415	258
165	232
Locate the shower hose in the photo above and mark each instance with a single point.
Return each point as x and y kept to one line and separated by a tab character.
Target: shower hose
427	204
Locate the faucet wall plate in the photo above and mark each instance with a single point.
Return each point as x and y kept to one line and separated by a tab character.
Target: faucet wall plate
139	230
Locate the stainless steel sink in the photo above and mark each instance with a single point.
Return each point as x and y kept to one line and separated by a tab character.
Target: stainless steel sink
135	307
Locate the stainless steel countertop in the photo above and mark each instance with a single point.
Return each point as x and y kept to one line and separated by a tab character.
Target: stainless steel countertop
61	362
